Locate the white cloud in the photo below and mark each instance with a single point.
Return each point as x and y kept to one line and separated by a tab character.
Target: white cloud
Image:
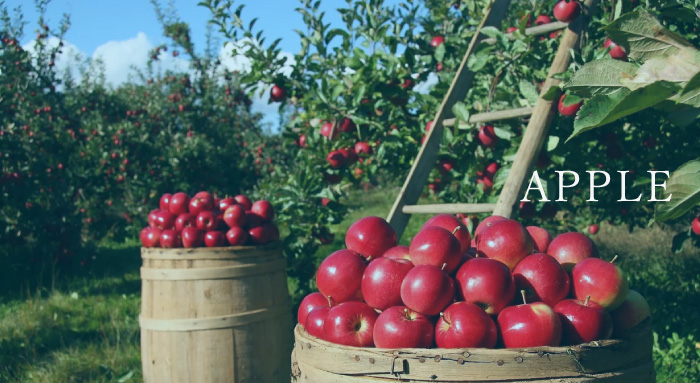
425	86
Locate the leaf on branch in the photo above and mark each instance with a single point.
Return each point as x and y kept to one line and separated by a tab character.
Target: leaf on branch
678	241
601	77
643	36
678	68
529	91
684	188
690	95
604	109
461	111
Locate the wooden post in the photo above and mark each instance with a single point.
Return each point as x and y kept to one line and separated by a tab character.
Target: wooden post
418	175
538	126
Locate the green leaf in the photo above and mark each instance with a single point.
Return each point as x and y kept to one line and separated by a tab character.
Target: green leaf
571	99
679	67
491	32
440	52
643	36
502	133
552	93
678	241
601	77
528	90
684	188
461	111
604	109
552	143
690	95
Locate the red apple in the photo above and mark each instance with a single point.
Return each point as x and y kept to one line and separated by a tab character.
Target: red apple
400	327
370	237
235	216
566	11
542	19
570	110
435	246
164	201
487	136
571	248
593	229
616	51
264	210
340	276
192	237
258	235
491	169
237	236
540	238
437	41
347	125
465	325
201	202
277	93
207	221
185	220
488	221
152	217
150	237
398	252
427	289
363	148
225	203
328	131
454	226
487	283
381	282
214	239
602	280
309	304
529	325
335	159
350	324
165	220
179	203
316	321
633	311
696	226
542	278
506	241
252	220
170	239
583	321
244	201
511	29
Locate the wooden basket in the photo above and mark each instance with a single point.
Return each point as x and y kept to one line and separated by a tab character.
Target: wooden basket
609	361
215	315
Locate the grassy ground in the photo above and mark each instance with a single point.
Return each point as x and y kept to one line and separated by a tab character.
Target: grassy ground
85	329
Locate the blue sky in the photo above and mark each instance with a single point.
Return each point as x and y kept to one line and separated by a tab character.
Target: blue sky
122	32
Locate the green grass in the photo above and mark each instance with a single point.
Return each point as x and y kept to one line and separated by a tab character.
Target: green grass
85	329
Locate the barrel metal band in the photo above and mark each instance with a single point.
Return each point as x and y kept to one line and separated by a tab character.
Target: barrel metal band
199	253
212	272
213	323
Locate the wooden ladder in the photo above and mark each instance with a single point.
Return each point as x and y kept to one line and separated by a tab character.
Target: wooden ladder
540	119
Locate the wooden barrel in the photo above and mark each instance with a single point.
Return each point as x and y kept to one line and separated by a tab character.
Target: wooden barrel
609	361
215	315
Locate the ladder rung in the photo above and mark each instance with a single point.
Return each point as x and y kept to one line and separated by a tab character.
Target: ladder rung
450	208
493	116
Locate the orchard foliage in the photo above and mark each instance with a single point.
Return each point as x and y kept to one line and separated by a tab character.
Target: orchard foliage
388	68
81	160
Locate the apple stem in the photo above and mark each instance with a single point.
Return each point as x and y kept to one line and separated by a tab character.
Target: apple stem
330	301
443	266
522	292
442	316
455	230
405	313
614	259
369	259
588	298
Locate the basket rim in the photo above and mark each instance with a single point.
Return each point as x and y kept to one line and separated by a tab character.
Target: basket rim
196	253
643	328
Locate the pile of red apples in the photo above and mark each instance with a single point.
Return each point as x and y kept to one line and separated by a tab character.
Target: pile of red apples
512	286
207	221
